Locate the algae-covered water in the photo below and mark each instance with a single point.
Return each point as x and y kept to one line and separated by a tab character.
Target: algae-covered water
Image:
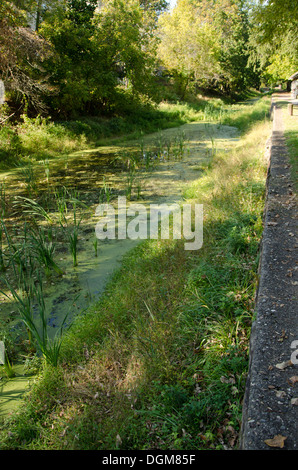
100	176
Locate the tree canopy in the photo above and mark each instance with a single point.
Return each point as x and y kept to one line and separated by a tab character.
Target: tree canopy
206	42
274	38
70	57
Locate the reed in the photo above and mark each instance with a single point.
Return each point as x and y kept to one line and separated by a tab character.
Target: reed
28	296
95	246
73	235
105	194
46	165
32	208
23	297
8	367
2	264
2	200
49	347
60	196
43	248
210	134
16	250
129	183
29	178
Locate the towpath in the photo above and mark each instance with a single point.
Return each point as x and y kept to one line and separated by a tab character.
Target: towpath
270	413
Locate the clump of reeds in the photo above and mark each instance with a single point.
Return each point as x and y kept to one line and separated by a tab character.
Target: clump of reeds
29	177
72	231
44	248
105	192
29	296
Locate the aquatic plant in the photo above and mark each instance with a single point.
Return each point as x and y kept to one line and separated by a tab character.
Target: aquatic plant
32	208
46	165
29	299
2	200
16	249
160	144
8	366
23	296
60	196
44	249
105	192
179	146
129	183
49	347
210	134
73	244
168	145
2	265
73	234
29	178
95	245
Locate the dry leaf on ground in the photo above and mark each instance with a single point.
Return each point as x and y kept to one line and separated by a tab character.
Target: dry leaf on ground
277	441
293	379
283	365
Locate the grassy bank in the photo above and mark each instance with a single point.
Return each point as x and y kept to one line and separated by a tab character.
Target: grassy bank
160	360
41	138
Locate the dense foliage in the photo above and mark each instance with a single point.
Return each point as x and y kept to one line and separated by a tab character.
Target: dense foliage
77	57
274	39
205	43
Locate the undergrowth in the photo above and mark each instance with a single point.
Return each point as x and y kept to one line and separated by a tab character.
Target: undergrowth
40	138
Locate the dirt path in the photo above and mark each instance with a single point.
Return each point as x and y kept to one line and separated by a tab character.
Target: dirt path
270	407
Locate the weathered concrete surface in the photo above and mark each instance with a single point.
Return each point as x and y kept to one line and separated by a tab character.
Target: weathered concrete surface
269	408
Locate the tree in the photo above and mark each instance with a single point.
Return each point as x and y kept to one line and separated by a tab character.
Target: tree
99	55
206	42
274	39
188	48
233	29
21	51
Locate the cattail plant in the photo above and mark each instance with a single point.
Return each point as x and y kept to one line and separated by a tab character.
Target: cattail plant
61	201
44	248
73	234
129	182
29	179
23	296
95	245
49	347
32	208
2	264
8	367
105	192
2	200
